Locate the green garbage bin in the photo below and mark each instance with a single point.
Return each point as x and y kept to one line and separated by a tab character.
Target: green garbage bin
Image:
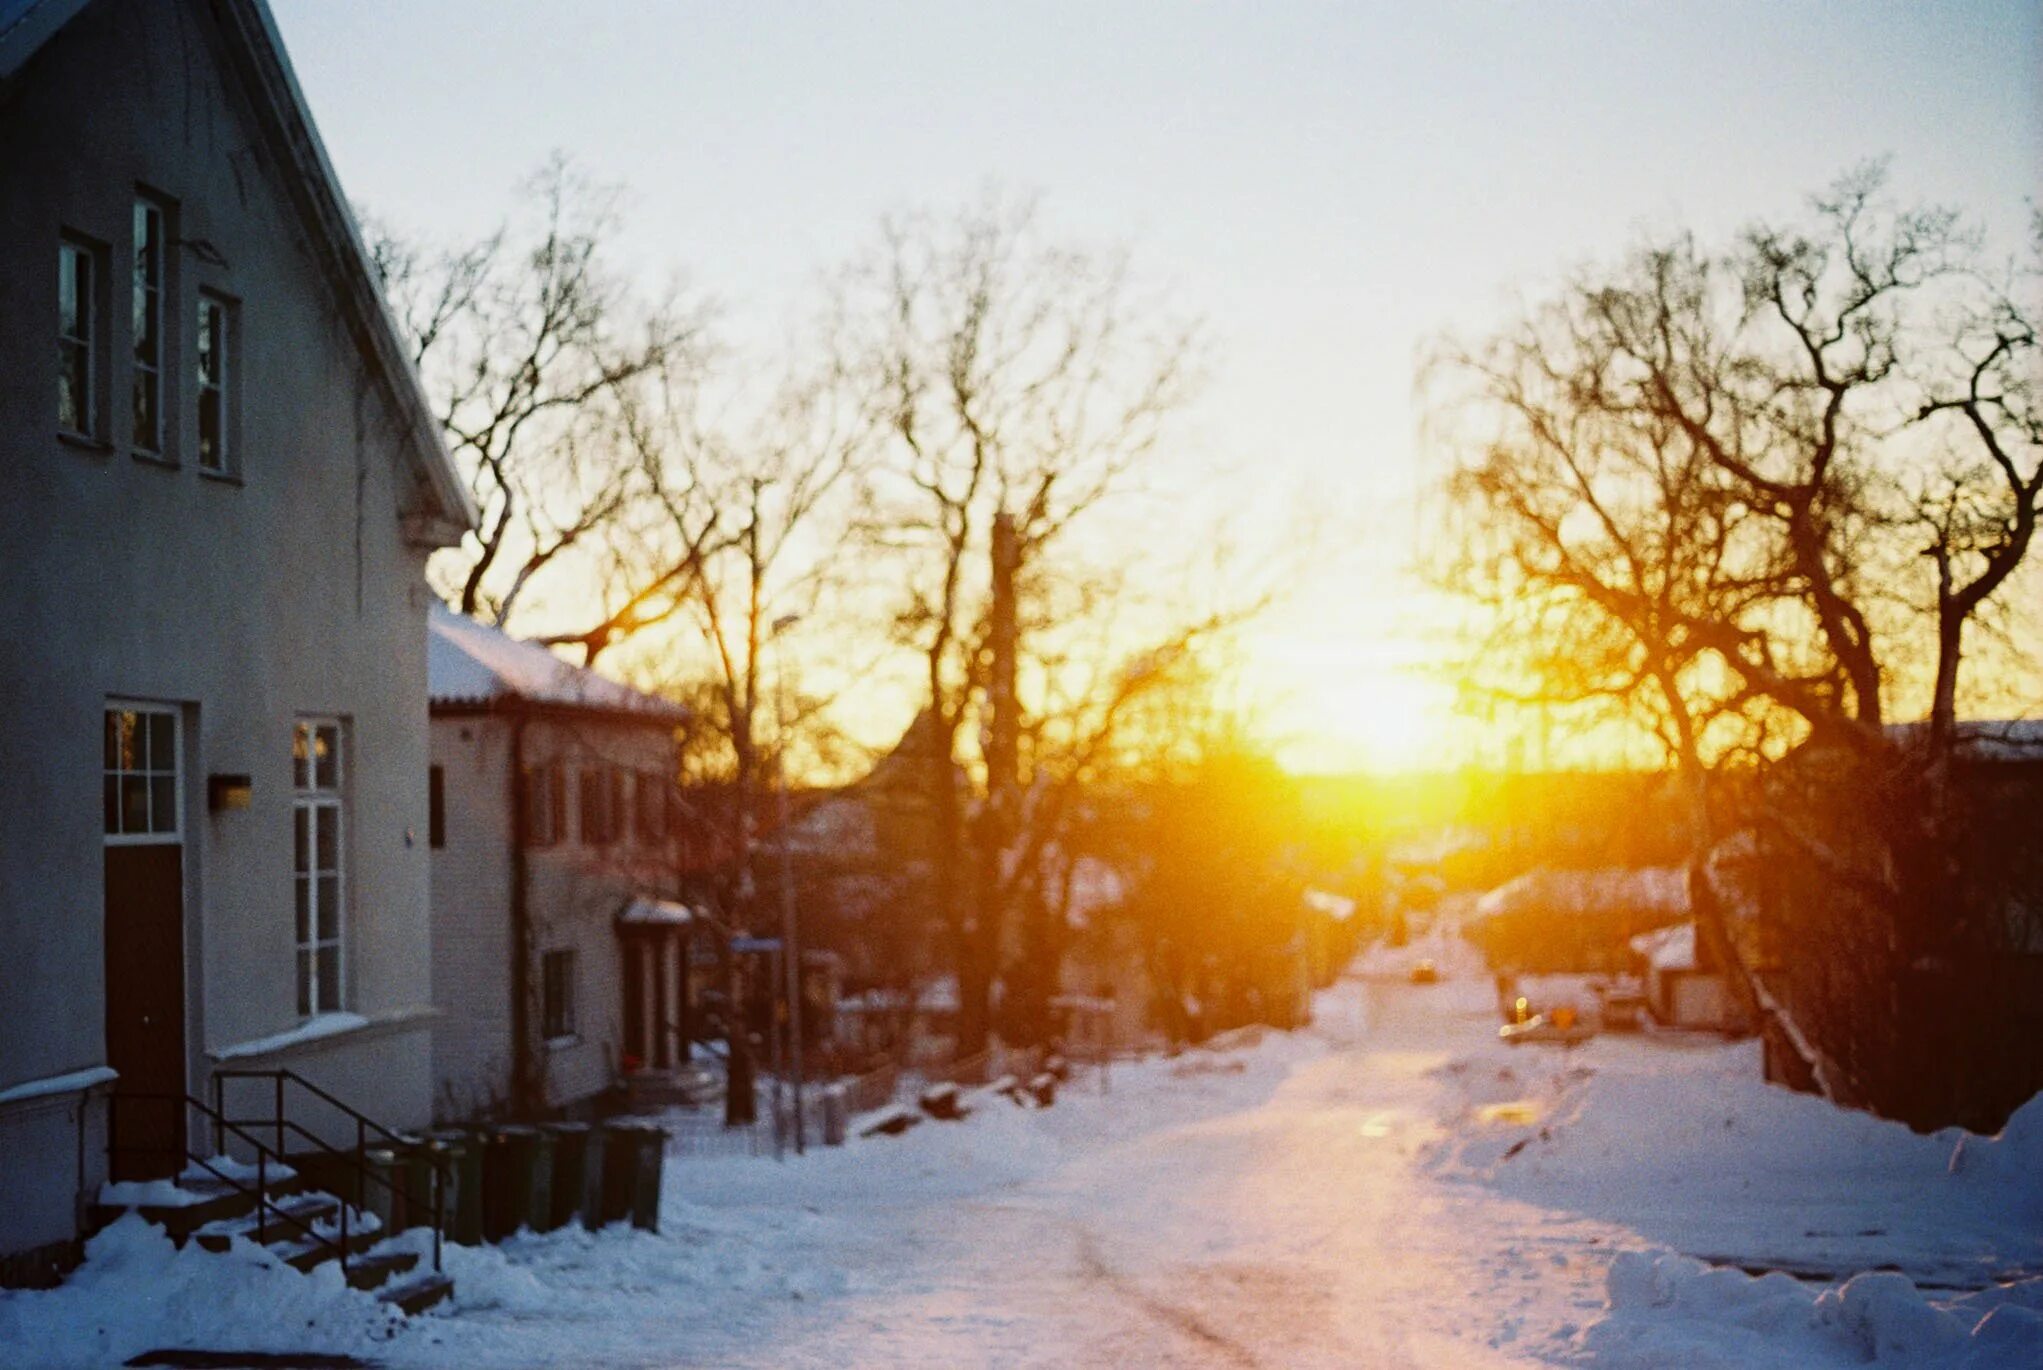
462	1199
577	1182
517	1180
416	1158
632	1156
377	1195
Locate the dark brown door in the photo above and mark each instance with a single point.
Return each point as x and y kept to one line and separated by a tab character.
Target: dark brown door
145	1005
635	1001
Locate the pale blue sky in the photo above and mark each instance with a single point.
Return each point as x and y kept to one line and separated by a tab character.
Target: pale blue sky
1327	185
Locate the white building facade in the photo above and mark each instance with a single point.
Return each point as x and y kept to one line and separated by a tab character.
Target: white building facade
558	938
224	486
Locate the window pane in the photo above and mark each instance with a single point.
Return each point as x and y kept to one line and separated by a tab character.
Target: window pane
304	983
162	742
112	804
163	803
129	753
144	410
112	749
301	756
205	345
210	452
329	979
326	827
304	908
148	244
329	906
301	839
326	755
148	332
70	300
74	387
134	803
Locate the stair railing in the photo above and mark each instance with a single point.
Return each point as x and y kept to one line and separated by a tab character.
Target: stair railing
264	1205
280	1124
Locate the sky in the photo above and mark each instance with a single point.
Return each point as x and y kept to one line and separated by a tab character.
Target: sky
1330	188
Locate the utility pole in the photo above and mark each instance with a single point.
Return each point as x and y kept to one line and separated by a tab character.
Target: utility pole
791	950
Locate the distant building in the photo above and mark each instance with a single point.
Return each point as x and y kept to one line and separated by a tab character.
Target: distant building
1551	921
559	932
1681	988
224	484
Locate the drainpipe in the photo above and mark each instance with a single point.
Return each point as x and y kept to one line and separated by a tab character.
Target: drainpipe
522	1090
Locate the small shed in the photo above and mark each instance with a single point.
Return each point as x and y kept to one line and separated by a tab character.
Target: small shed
1681	991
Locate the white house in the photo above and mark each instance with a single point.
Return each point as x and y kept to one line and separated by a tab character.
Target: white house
223	486
558	941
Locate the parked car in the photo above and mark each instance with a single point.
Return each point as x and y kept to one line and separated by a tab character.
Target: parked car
1562	1025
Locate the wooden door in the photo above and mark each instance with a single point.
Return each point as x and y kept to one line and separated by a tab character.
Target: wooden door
144	960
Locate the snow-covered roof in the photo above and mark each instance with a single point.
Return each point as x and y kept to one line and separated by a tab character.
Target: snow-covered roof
472	663
1668	948
648	912
1662	889
1985	739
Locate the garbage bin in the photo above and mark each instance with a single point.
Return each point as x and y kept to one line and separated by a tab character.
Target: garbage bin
632	1155
577	1191
461	1156
517	1179
416	1159
377	1196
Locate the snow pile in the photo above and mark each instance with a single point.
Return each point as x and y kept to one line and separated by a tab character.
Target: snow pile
1685	1144
137	1292
2009	1167
1667	1309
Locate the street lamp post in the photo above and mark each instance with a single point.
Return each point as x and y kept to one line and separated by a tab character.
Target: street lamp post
791	951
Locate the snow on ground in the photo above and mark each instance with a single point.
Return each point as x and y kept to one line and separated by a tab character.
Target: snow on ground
1392	1187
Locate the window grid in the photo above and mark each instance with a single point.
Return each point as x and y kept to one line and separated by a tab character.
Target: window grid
147	399
77	383
213	355
318	846
141	798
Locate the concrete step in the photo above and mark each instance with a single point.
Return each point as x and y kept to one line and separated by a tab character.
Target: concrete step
304	1253
418	1293
691	1087
376	1269
216	1200
279	1223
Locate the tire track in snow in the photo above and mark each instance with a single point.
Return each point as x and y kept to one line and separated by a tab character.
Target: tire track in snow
1181	1320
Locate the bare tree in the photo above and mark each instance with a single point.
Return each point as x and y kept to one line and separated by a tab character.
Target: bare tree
1711	480
1022	383
542	359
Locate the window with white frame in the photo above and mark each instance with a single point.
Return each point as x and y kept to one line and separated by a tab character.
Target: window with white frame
557	995
147	388
318	819
212	348
77	339
139	774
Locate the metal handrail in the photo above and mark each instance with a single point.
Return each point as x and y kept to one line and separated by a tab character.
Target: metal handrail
278	1121
264	1204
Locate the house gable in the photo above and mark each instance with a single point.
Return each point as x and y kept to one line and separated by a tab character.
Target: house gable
435	508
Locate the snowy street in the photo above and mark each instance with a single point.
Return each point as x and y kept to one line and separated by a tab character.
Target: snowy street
1390	1187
